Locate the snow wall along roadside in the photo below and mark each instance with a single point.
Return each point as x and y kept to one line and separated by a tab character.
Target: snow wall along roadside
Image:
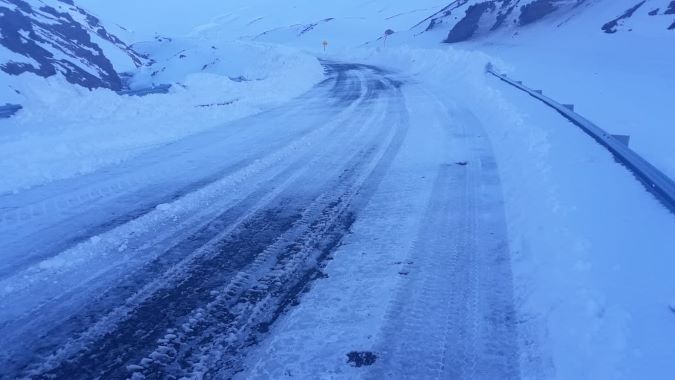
579	224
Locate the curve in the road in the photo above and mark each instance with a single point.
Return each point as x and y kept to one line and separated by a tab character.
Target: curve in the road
276	236
181	261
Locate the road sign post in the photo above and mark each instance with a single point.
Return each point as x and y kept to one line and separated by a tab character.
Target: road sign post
387	33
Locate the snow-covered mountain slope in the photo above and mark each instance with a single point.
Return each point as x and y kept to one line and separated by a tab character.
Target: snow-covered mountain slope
301	23
304	24
464	20
661	12
177	59
65	130
609	58
616	51
56	37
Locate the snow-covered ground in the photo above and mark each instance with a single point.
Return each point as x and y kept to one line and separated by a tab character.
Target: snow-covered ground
358	20
65	131
621	81
588	242
589	304
224	68
588	247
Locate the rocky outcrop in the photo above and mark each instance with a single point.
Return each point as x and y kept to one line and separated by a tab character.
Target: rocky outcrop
55	37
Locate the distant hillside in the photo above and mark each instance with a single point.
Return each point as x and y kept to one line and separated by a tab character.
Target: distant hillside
56	37
464	20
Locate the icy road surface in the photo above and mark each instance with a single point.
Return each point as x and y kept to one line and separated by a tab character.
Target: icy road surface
200	258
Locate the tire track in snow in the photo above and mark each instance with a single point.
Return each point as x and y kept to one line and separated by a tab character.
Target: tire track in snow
47	220
37	319
331	220
104	326
234	183
350	203
453	317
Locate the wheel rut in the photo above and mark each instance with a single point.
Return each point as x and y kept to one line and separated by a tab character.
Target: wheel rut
202	303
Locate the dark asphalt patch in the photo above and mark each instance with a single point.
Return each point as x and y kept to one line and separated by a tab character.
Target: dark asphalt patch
361	359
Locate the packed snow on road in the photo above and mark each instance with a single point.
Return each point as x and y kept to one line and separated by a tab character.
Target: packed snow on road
347	190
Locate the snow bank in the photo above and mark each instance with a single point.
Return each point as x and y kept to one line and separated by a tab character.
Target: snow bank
590	246
178	59
66	131
622	81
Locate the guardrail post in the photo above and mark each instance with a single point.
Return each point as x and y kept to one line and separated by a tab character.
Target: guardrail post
655	181
624	139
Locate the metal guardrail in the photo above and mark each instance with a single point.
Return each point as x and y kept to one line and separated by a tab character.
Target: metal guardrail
160	89
655	181
8	110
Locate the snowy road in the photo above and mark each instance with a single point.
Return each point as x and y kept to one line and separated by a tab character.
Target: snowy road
192	258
